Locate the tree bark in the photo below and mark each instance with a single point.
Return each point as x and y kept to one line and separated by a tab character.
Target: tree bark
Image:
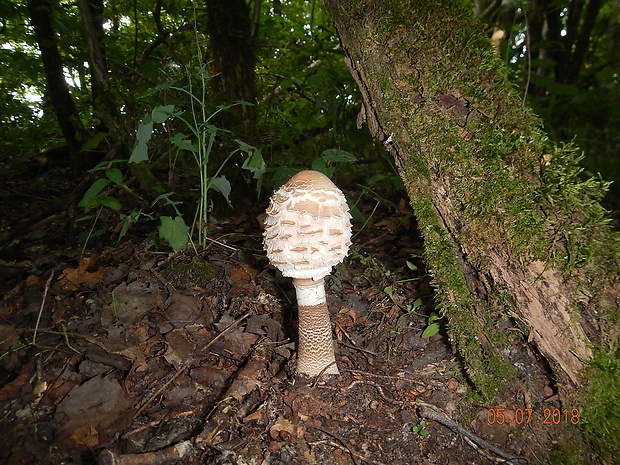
231	36
105	108
57	89
516	242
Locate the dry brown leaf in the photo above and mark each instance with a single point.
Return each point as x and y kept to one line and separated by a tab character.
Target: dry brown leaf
280	425
72	278
86	435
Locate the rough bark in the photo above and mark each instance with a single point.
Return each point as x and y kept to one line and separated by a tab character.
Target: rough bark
105	108
231	35
56	87
513	238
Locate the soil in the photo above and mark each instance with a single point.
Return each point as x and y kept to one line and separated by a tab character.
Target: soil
129	353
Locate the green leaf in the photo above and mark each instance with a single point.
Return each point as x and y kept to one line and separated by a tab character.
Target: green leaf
93	142
389	290
115	175
126	222
180	140
110	202
139	153
434	317
145	130
174	231
338	156
375	178
143	135
431	330
553	86
166	198
411	266
358	216
104	165
244	146
255	163
286	83
318	164
161	113
87	235
221	185
88	201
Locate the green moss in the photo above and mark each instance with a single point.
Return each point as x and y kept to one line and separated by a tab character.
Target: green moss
580	224
477	343
193	273
569	453
600	407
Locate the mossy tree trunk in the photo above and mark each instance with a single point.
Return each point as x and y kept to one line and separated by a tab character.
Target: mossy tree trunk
516	242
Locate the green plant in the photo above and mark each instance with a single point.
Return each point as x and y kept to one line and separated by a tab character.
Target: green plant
325	163
434	319
97	197
374	184
173	230
200	143
420	429
12	350
434	325
600	403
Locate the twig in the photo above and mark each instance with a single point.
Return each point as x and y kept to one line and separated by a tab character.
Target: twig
432	412
245	392
355	345
377	387
188	363
221	243
161	457
375	375
66	338
36	326
320	375
345	446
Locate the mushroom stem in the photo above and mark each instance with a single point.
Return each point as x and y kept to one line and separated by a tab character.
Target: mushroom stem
316	348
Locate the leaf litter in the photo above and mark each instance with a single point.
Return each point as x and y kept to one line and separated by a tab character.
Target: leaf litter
144	356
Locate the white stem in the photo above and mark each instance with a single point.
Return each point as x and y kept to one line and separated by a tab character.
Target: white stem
316	347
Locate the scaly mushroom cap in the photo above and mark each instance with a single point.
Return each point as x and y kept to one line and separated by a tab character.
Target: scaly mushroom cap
308	227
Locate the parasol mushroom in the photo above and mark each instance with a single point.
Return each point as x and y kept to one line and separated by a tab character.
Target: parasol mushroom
307	232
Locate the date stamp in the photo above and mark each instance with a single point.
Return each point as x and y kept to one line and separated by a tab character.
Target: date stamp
526	416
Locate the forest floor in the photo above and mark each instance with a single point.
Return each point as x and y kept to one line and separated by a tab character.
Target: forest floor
132	354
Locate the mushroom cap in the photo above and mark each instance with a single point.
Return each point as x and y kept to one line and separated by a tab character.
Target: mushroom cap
308	227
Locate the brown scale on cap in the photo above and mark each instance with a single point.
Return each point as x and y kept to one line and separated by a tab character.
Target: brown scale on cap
308	226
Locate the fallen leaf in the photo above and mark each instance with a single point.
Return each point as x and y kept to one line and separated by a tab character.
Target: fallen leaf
72	278
280	425
86	435
257	415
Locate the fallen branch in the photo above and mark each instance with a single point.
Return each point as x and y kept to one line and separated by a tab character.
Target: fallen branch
161	457
431	412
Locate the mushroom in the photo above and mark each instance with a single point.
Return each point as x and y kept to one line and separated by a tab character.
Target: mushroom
307	232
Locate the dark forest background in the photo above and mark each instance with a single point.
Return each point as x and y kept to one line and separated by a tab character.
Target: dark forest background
90	80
